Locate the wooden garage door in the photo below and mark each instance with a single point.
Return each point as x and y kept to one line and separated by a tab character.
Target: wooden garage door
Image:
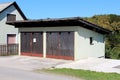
60	45
32	43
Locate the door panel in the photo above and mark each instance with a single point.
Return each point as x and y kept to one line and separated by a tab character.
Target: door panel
32	43
26	43
60	45
37	43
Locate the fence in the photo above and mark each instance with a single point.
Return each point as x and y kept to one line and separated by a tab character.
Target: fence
9	49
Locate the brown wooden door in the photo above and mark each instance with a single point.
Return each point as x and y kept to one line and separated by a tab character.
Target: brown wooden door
37	44
32	44
60	45
26	43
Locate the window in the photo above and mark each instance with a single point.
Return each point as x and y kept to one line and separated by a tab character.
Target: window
11	17
11	38
91	40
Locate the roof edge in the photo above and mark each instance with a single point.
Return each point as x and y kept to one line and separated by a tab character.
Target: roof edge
17	7
20	11
72	21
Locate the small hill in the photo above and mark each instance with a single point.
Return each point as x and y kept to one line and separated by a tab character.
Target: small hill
110	21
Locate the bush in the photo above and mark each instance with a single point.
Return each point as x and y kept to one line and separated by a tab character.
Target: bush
115	53
113	46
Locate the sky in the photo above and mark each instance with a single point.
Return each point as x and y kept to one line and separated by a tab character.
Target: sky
37	9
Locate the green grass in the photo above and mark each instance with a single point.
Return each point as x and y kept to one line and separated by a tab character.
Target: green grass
85	74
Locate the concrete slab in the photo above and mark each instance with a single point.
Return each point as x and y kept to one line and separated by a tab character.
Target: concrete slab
29	63
32	63
94	64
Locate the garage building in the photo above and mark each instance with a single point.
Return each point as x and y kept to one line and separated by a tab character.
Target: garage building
62	38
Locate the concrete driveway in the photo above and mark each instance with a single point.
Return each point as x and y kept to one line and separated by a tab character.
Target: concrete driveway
32	63
29	63
94	64
16	74
21	68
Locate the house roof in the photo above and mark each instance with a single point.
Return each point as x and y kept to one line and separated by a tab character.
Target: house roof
4	6
61	22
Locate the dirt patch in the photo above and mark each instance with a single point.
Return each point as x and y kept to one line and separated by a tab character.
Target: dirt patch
117	67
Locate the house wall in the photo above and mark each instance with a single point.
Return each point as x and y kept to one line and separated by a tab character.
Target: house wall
8	29
82	47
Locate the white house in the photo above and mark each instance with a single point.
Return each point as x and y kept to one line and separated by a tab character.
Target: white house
9	12
62	38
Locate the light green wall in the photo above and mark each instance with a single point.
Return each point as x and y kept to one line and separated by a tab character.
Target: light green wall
82	47
35	29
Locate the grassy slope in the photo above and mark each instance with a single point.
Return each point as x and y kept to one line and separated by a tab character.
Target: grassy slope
86	75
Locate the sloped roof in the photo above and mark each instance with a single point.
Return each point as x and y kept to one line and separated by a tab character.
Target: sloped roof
4	6
62	22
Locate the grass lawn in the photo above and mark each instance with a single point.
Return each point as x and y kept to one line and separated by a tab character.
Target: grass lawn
85	74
